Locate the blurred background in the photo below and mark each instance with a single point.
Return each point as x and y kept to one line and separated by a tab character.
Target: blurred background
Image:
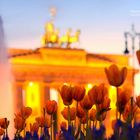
102	23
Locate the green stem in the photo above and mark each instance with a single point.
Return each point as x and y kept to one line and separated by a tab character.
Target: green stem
41	131
80	125
101	120
86	122
120	116
83	128
68	115
44	119
131	110
6	126
116	103
89	123
51	127
95	123
76	111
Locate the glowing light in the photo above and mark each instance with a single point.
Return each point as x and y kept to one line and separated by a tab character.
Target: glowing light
32	98
54	94
137	85
88	87
112	96
31	84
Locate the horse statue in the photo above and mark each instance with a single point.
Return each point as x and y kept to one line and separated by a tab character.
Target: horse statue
68	38
51	35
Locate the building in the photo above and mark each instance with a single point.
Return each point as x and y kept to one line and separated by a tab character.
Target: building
39	73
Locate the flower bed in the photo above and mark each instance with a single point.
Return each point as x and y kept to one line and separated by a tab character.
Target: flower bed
85	120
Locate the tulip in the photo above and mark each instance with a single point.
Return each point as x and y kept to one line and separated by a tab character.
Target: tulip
138	101
1	132
97	94
4	123
66	94
72	114
43	121
19	123
138	55
115	75
51	107
25	112
123	98
104	106
129	112
34	127
92	114
80	112
86	103
78	93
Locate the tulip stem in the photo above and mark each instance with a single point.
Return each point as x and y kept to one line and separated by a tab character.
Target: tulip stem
80	125
51	127
41	130
86	122
68	115
116	103
95	124
76	111
131	109
44	117
120	116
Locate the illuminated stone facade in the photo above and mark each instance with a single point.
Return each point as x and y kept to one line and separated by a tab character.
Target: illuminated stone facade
39	73
54	66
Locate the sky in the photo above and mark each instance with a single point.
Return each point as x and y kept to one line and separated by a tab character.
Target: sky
102	22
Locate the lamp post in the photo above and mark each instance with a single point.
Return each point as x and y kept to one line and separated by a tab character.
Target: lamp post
133	35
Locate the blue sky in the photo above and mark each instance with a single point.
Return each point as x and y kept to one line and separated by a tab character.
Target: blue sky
102	22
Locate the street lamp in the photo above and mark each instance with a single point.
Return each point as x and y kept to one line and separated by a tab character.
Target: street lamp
133	35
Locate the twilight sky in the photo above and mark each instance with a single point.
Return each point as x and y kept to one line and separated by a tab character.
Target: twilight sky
102	22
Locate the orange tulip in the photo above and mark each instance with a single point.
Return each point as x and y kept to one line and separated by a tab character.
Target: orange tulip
105	105
78	93
129	112
51	107
138	55
1	131
97	94
123	98
25	112
66	94
80	112
92	114
72	113
4	123
43	122
19	123
138	101
115	75
86	103
34	127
